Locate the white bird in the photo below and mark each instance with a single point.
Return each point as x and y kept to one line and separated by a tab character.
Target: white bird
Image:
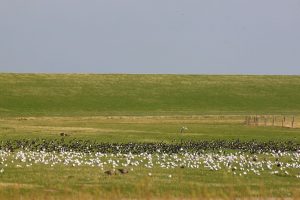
183	129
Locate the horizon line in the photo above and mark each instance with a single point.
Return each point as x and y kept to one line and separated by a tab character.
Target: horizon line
120	73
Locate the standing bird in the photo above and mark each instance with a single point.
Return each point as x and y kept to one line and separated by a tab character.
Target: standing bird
110	172
123	171
183	129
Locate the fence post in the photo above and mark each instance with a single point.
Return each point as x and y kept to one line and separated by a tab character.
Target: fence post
256	121
265	120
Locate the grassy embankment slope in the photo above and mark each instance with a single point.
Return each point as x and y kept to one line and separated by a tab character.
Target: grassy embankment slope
90	95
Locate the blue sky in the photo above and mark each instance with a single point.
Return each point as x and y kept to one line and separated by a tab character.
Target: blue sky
150	36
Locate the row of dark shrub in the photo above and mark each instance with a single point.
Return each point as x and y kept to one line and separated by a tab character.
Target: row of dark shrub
59	145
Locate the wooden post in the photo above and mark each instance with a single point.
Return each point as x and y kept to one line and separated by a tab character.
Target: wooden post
265	120
273	122
293	120
282	123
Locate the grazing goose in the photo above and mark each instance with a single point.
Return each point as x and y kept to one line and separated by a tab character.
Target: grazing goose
110	172
123	171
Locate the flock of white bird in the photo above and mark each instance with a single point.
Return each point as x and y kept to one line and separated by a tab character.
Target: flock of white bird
237	163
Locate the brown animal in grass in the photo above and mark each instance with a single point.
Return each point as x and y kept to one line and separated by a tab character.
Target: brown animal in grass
63	134
110	172
123	171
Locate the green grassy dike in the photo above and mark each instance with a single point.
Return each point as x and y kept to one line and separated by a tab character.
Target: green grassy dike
92	94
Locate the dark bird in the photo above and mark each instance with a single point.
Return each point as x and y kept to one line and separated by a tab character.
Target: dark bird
110	172
278	165
123	171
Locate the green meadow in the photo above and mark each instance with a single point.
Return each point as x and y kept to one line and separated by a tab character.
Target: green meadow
94	95
141	109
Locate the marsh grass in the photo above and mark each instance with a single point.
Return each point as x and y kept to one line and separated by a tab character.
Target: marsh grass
142	129
151	188
60	181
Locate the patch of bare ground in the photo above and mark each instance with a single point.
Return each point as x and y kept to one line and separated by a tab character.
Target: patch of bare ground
18	185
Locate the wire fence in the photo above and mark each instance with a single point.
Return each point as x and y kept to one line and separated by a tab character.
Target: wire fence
271	120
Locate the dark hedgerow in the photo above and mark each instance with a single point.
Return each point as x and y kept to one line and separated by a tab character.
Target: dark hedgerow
191	146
